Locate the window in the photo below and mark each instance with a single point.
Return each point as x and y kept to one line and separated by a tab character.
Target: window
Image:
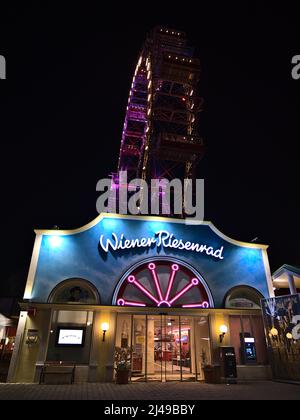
243	297
75	291
70	336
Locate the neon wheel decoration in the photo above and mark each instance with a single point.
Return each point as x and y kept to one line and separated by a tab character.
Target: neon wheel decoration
163	284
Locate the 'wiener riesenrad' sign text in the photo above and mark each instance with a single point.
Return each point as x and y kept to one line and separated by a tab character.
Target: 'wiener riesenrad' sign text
161	239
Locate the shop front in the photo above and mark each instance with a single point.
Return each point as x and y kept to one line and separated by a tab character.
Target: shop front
165	347
159	287
168	347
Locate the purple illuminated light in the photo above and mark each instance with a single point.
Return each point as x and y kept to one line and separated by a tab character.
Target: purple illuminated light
175	268
152	267
163	301
197	305
122	302
193	282
132	280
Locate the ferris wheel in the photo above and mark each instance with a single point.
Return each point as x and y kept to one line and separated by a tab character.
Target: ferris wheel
160	137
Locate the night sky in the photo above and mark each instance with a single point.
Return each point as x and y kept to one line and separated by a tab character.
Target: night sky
63	106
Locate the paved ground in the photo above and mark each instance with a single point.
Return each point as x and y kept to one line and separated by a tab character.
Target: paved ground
151	391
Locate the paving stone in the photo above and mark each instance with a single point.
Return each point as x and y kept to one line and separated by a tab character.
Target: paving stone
263	390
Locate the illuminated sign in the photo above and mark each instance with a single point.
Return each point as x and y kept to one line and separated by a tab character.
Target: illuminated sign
159	298
161	238
249	340
70	336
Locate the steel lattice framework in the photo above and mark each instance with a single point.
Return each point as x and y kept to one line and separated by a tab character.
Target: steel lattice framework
160	135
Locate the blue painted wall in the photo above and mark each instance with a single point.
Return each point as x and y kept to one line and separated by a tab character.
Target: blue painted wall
78	255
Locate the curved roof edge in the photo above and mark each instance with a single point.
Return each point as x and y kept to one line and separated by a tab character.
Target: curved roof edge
147	218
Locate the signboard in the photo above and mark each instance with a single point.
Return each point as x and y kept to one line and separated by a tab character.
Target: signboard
160	239
108	251
140	339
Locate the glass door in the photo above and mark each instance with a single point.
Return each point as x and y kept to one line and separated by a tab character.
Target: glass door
172	347
165	347
202	346
154	346
139	362
187	349
131	334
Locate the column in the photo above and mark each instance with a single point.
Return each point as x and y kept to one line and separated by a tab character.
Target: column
292	285
102	356
18	346
45	327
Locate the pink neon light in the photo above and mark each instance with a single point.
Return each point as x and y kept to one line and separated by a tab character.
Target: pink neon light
193	282
164	301
152	267
197	305
134	303
132	280
175	268
122	302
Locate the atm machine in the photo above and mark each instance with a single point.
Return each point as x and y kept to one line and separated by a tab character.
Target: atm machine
248	350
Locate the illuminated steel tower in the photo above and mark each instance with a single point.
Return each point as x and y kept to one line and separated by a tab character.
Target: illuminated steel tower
160	136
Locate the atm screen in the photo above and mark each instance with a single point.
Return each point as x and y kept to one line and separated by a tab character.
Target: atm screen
247	349
250	351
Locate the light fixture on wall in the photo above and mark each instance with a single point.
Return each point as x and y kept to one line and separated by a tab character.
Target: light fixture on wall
55	241
32	336
105	328
223	330
274	332
289	335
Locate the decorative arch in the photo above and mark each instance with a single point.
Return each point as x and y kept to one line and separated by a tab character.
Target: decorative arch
75	291
244	297
163	282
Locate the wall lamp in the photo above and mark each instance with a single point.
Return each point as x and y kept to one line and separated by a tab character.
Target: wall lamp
274	332
32	337
223	331
105	328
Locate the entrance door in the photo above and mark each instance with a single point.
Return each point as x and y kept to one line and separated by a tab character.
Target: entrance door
173	347
165	347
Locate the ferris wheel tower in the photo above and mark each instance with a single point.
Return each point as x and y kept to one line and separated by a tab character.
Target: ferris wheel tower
160	138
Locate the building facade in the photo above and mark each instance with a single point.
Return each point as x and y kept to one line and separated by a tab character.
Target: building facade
162	286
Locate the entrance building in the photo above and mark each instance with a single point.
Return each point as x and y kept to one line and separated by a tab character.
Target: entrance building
163	288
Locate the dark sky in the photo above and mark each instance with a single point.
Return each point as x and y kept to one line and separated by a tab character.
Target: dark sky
63	106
